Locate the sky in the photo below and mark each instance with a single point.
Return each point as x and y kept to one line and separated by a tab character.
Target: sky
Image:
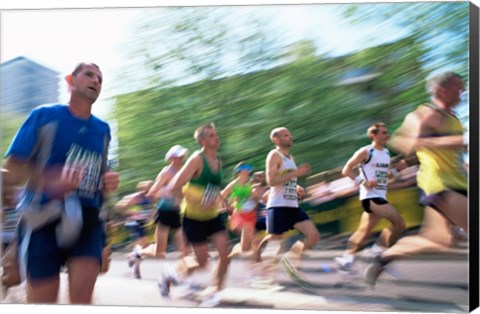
60	36
60	39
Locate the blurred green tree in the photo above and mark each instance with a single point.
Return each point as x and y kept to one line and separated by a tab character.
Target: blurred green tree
10	122
327	103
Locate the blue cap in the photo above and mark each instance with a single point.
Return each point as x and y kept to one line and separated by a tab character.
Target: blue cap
244	167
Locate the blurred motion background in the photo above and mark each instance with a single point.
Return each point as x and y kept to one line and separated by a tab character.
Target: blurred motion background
325	71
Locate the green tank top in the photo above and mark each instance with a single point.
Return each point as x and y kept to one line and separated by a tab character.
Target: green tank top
207	176
204	188
241	193
442	168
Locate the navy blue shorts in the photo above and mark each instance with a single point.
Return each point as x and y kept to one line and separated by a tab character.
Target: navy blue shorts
283	219
376	200
45	258
199	231
168	214
137	228
430	200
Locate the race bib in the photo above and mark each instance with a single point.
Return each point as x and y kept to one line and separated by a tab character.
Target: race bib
290	190
210	195
382	179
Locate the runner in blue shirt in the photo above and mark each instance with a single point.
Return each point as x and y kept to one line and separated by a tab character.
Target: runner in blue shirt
60	152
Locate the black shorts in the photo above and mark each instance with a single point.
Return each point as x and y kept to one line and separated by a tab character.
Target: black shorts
170	219
376	200
167	214
197	231
261	224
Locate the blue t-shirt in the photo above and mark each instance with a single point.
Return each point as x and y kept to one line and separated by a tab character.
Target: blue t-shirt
51	138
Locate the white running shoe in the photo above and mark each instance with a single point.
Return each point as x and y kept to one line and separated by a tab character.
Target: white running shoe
169	277
372	252
211	301
134	256
164	284
344	265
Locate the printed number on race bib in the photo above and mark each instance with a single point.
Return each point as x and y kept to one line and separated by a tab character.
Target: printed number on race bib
382	179
290	190
210	195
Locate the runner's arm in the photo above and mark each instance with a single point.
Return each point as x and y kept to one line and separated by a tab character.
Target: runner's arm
358	157
155	191
228	189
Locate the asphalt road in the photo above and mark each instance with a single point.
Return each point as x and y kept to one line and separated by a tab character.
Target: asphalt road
425	283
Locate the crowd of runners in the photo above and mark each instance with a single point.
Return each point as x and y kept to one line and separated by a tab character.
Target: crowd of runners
60	155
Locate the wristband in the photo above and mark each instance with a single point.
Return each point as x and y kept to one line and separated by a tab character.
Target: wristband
395	171
466	138
359	180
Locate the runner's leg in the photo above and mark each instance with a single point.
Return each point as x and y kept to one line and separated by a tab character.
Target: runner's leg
220	240
391	234
434	235
82	275
368	221
43	290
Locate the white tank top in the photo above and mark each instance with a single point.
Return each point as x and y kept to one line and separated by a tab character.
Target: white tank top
376	167
284	195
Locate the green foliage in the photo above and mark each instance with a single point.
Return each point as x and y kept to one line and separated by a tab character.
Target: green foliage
441	28
10	122
327	119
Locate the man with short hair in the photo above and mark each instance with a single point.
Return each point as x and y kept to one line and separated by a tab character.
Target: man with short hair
283	211
435	133
198	184
61	152
374	162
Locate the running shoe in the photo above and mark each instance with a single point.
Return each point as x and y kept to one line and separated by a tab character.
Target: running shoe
372	252
291	271
136	270
169	277
344	265
373	271
211	301
134	256
164	284
188	290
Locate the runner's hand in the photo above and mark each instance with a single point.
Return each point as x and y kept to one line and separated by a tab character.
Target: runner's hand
303	169
300	192
370	183
110	181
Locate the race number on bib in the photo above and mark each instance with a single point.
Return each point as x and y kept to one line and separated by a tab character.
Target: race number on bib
382	179
210	195
290	190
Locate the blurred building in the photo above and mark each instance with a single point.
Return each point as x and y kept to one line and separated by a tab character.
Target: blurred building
26	84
